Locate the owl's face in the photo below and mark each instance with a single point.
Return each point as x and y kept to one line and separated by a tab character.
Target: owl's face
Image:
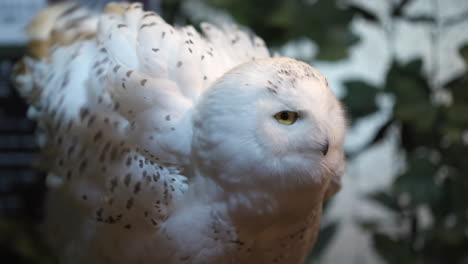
273	122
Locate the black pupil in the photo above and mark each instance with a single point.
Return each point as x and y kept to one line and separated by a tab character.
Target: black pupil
284	115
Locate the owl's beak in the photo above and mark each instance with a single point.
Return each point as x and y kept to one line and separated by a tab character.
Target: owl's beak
324	148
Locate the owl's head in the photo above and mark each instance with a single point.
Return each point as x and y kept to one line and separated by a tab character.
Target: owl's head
270	122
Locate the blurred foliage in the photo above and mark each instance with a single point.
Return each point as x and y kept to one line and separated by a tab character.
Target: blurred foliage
279	21
367	93
435	176
436	170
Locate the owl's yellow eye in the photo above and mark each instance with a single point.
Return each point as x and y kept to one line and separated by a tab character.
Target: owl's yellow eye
286	117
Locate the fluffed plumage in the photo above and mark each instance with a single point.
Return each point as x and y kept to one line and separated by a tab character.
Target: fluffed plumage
166	145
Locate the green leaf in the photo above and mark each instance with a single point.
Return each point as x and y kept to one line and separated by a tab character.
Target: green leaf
397	10
385	198
445	245
360	98
419	19
459	88
407	83
369	225
282	17
454	133
418	181
367	15
450	236
413	138
392	250
464	52
412	95
455	157
458	114
421	116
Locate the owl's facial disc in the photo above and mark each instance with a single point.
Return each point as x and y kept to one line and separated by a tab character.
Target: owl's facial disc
266	122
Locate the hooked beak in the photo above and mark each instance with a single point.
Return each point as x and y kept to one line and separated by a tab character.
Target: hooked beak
324	148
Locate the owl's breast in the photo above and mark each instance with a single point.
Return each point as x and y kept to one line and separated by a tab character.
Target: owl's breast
210	235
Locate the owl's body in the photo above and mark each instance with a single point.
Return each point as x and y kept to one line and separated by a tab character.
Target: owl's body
166	146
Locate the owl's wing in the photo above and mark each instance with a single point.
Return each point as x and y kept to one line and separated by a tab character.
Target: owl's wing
114	108
157	72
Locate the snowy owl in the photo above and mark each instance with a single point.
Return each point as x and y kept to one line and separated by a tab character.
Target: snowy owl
168	145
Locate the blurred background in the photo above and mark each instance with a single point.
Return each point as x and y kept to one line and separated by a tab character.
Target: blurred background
400	68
